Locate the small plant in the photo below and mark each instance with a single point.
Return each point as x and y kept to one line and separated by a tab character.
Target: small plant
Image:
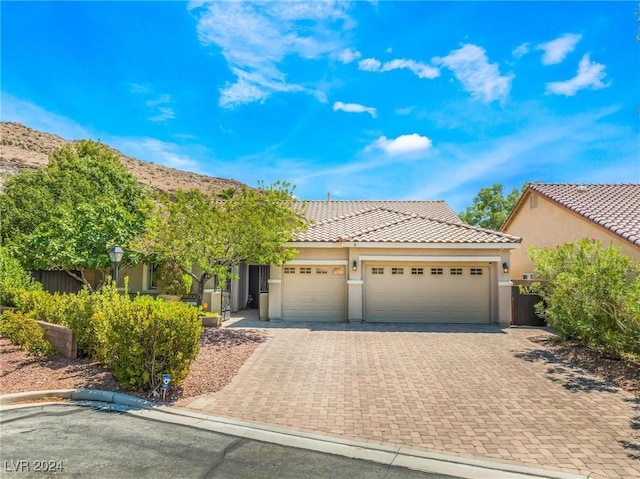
26	333
171	279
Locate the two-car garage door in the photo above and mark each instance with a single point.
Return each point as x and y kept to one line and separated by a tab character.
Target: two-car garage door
427	292
404	292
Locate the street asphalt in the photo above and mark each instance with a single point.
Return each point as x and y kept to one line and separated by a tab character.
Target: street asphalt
103	434
102	440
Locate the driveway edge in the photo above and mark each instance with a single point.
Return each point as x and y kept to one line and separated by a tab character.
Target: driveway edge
391	455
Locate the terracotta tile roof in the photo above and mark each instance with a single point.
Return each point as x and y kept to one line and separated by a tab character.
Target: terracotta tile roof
615	207
392	222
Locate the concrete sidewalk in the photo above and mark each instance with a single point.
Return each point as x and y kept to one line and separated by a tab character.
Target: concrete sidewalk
470	391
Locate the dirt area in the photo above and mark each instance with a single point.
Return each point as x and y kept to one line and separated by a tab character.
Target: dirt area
222	353
623	373
23	148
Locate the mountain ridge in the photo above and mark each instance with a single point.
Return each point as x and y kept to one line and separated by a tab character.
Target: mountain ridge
23	148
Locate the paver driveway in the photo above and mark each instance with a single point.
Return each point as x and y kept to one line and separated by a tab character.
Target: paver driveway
469	390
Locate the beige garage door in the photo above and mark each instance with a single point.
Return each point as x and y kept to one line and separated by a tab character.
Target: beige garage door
427	292
314	293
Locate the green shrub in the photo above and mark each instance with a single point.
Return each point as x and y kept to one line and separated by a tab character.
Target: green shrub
13	279
26	333
587	294
148	338
74	311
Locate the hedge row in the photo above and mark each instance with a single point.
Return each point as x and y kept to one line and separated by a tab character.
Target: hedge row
139	338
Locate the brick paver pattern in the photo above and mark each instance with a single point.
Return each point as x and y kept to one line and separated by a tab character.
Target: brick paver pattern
474	391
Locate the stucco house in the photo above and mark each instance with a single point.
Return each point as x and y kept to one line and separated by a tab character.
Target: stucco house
548	214
393	261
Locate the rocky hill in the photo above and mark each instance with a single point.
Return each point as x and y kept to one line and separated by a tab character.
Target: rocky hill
22	148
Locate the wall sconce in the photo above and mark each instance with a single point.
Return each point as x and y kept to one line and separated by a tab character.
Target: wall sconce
354	265
505	268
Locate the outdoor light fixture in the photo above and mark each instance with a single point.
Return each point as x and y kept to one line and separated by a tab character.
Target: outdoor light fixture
505	268
354	266
115	254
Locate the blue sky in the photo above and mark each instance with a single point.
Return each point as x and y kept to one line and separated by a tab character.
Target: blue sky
366	100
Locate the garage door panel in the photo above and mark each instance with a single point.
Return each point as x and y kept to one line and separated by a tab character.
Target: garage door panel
427	293
313	293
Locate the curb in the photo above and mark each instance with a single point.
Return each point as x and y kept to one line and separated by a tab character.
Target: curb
400	456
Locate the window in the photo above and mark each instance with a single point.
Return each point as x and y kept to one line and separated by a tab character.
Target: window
476	271
322	271
152	282
289	270
456	271
305	270
377	270
339	270
436	271
417	271
397	270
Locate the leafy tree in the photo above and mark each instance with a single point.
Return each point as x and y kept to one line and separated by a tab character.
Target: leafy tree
215	234
491	207
68	214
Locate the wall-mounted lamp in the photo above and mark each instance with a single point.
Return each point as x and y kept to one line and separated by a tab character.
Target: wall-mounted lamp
354	265
505	268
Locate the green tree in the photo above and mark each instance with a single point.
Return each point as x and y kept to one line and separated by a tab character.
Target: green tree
491	207
252	225
67	215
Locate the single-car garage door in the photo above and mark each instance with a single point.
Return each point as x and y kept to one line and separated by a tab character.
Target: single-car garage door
314	293
427	292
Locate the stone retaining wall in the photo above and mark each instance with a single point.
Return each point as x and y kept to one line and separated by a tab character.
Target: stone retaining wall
61	338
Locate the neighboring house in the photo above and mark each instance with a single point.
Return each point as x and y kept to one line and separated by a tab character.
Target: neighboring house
552	214
393	261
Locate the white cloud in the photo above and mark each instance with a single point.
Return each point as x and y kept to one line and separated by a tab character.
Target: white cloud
348	55
482	79
404	111
370	65
354	108
419	69
256	38
521	50
153	150
590	75
161	100
404	144
163	112
467	163
556	50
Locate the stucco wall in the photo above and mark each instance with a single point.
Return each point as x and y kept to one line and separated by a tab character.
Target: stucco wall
549	224
500	304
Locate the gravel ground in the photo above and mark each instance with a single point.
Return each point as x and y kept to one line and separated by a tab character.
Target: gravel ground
622	372
222	353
